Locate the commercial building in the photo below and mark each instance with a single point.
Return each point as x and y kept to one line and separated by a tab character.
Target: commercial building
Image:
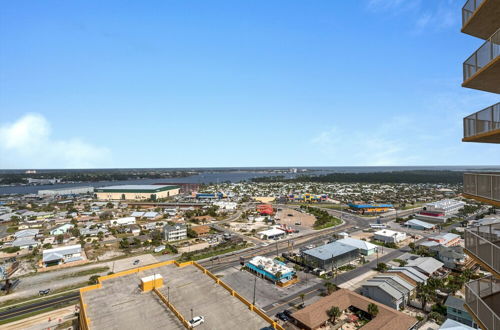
136	192
315	315
420	225
175	232
62	255
265	209
165	296
273	233
456	311
270	269
364	208
364	247
66	191
440	211
330	256
389	236
307	197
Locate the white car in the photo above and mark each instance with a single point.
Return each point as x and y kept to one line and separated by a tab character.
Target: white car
196	321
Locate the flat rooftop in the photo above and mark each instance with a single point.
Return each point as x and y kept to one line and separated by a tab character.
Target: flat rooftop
136	188
120	303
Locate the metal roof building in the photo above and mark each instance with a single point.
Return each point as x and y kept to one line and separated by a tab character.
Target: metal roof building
364	247
419	224
330	255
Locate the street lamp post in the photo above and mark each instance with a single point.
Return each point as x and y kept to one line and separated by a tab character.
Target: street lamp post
168	293
192	314
254	289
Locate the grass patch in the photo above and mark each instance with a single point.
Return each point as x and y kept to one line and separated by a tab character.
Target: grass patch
323	218
85	272
202	254
54	293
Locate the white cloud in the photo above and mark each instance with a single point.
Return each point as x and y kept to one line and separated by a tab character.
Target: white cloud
27	143
435	15
429	133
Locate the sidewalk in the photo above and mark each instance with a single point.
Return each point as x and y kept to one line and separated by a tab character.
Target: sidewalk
44	321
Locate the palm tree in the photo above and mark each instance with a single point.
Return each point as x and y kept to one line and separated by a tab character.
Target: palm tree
302	295
333	313
373	309
330	287
423	294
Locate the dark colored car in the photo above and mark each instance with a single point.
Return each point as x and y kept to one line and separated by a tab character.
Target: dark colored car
287	313
136	261
282	316
44	292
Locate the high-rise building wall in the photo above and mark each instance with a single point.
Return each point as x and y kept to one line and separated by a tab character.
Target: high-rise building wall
481	18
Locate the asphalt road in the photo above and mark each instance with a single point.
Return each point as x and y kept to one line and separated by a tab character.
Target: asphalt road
314	290
17	311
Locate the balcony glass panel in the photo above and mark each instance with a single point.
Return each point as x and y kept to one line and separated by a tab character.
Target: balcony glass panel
468	9
483	298
489	51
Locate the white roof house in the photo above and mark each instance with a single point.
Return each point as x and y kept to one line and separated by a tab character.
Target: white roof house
123	221
274	232
150	215
62	254
26	233
137	214
389	236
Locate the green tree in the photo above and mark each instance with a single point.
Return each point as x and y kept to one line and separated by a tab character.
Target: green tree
333	313
60	238
382	267
302	296
124	244
373	309
93	279
330	287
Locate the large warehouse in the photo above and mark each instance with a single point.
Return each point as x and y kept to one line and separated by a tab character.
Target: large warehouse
136	192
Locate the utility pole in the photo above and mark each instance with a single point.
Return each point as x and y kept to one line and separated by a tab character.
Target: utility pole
277	250
168	293
192	314
254	289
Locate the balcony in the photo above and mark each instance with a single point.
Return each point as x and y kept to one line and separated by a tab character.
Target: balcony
480	18
483	126
482	299
482	69
484	187
483	245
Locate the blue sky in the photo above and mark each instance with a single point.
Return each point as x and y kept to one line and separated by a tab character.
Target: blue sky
235	83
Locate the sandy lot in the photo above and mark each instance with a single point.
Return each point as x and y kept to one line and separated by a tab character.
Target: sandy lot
290	217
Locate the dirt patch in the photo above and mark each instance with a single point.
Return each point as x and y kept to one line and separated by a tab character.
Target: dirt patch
292	217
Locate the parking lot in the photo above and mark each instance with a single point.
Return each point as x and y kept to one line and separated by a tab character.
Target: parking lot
192	292
266	292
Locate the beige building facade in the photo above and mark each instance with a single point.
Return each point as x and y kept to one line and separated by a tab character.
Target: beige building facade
136	192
